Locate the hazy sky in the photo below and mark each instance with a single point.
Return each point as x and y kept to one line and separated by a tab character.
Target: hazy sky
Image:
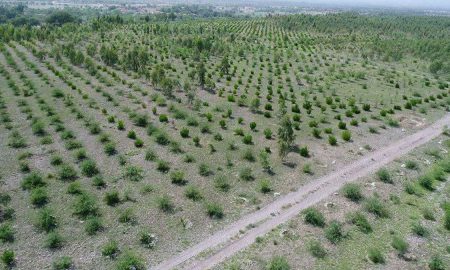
389	3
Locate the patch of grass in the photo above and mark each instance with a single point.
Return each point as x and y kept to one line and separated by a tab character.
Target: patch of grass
6	233
54	241
130	260
317	250
67	173
147	239
314	217
110	249
352	191
33	180
214	210
376	256
400	245
193	193
375	206
93	225
334	232
46	220
360	220
89	168
63	263
384	176
133	173
165	204
86	205
278	263
420	230
8	257
436	263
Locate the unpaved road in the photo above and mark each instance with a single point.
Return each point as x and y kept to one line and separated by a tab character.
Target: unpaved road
287	207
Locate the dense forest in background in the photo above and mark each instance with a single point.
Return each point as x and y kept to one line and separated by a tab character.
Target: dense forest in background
389	37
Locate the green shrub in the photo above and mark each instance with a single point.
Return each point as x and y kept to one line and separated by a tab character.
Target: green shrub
247	139
184	132
132	134
304	152
63	263
221	183
420	230
162	138
163	166
352	191
127	216
112	198
38	128
334	232
376	256
110	149
411	165
150	155
6	233
54	240
93	225
75	188
8	257
133	173
139	143
39	197
400	245
204	170
375	206
278	263
246	174
46	220
332	140
56	160
177	178
265	186
214	210
384	176
426	181
436	263
447	219
148	239
89	168
193	193
67	173
359	220
33	180
317	250
110	249
86	205
129	260
314	217
165	204
346	135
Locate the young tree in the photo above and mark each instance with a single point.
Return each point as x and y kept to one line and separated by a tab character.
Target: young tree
201	73
158	75
286	136
225	65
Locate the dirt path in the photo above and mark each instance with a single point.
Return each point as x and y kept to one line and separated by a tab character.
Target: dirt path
232	239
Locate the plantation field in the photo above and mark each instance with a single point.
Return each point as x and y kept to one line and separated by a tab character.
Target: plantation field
125	142
396	218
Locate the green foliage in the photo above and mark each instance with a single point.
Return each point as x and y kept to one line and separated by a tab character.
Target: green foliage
165	204
6	233
67	173
360	220
334	232
436	263
112	198
33	180
46	220
278	263
352	191
62	263
375	206
214	210
85	206
133	173
8	257
193	193
110	249
400	245
317	250
54	240
89	168
314	217
130	260
384	176
93	225
376	256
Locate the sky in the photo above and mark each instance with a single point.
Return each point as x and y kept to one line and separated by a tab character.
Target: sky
388	3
